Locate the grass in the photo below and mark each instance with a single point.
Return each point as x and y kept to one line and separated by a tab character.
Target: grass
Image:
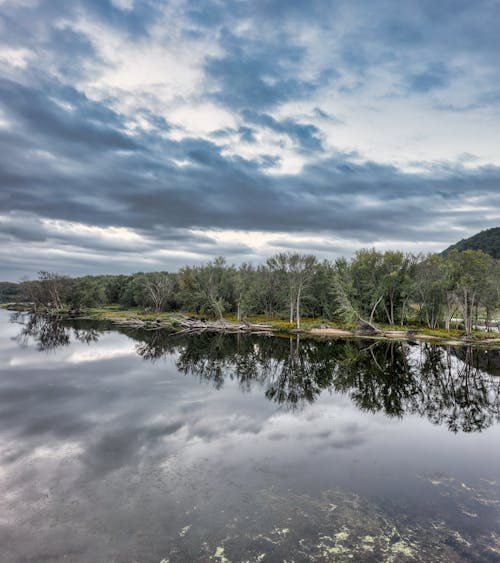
14	306
115	312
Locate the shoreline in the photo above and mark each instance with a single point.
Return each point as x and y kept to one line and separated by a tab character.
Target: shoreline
178	323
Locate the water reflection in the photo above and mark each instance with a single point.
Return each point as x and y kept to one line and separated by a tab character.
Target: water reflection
49	334
453	386
112	450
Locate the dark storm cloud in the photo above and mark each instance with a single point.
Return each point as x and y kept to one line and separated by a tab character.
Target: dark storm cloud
133	175
213	190
255	74
66	132
305	134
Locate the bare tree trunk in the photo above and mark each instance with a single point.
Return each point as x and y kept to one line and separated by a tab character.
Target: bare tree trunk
54	295
465	310
299	291
374	308
449	312
389	312
428	319
218	309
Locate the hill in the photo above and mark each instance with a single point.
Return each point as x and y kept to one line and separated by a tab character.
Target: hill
488	241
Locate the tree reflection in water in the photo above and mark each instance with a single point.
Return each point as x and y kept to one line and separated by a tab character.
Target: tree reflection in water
49	334
457	387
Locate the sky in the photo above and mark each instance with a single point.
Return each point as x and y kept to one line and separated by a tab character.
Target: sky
146	135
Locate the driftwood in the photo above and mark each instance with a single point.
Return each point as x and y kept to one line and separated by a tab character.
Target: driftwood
191	325
366	327
194	325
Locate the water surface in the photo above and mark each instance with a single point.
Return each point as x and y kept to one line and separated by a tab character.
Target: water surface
121	446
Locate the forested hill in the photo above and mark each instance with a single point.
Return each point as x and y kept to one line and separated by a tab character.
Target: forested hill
488	241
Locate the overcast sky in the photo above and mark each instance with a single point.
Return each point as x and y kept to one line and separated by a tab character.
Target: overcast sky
144	135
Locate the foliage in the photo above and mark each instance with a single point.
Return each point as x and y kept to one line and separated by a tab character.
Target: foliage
488	241
374	288
9	292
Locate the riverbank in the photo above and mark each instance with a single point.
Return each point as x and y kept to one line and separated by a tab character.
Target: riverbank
188	322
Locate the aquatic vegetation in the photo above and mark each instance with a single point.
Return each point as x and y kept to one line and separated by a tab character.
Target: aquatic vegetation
280	525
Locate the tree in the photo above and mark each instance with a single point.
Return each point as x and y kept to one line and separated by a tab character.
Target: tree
54	289
430	287
321	291
470	271
9	292
88	291
208	287
297	270
158	286
394	284
491	297
345	306
244	285
367	271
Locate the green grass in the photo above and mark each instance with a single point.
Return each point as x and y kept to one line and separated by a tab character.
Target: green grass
115	312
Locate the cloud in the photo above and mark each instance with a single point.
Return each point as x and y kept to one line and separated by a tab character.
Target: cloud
328	129
435	76
256	75
306	135
63	122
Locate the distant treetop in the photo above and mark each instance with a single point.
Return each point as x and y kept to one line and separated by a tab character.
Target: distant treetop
488	241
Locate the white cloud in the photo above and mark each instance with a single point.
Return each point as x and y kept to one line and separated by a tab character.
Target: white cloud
16	57
126	5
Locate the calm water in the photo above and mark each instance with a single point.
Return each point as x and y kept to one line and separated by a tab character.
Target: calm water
132	446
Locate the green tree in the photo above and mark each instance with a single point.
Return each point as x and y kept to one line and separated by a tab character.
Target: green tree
158	288
297	270
470	272
209	287
88	291
430	288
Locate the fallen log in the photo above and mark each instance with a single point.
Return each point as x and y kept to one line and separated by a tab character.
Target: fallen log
366	327
190	325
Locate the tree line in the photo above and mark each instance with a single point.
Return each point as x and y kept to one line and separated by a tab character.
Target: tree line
392	288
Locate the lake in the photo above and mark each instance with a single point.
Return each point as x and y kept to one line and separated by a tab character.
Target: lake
120	445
